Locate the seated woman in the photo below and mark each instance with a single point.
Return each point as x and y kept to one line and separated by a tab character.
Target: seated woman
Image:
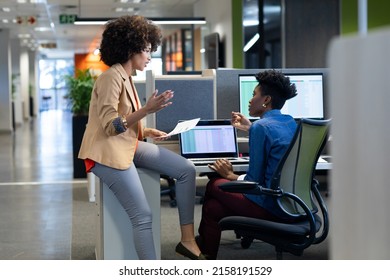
269	138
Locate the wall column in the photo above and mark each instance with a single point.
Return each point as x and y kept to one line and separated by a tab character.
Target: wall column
33	81
24	82
5	82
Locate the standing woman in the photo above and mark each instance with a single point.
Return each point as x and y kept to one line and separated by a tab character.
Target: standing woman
112	145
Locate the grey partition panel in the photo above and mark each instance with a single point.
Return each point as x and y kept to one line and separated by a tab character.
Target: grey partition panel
193	98
141	90
227	90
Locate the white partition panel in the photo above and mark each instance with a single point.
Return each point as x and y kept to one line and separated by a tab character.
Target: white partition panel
359	206
114	235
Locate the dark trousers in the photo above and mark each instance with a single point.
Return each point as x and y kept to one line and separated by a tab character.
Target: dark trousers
219	204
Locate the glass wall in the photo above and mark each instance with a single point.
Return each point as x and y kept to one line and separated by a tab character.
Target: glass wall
52	84
262	33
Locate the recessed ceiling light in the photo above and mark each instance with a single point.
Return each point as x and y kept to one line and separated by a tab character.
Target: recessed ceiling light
102	21
121	9
42	29
6	9
24	35
131	1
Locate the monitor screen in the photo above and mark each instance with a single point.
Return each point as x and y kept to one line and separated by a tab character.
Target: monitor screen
309	102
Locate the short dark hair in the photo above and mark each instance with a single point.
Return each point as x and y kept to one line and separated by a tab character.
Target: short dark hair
276	85
128	35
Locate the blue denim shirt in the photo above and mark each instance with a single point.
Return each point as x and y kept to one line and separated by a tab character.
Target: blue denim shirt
269	138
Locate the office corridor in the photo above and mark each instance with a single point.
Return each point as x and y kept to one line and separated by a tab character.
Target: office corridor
36	179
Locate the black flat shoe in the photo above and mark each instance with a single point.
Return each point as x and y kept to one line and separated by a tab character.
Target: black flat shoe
181	250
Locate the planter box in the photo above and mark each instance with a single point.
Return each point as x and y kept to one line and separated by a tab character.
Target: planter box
78	127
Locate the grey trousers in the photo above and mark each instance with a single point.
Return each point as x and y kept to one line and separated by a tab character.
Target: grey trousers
126	186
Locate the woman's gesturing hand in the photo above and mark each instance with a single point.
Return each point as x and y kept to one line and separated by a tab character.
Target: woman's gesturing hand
240	121
157	102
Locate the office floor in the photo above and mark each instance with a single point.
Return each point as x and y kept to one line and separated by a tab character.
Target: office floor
37	198
36	189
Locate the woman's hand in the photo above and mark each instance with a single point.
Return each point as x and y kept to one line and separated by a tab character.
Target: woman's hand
240	121
155	134
157	102
224	168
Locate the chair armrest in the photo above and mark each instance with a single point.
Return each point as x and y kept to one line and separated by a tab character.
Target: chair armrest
248	187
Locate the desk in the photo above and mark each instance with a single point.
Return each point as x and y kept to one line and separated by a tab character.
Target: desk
321	165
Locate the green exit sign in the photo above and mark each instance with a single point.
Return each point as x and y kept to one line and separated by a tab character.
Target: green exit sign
67	19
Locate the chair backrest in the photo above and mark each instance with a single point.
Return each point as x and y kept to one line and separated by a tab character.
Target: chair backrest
295	171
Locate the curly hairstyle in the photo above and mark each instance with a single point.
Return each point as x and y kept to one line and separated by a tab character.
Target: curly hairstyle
126	36
276	85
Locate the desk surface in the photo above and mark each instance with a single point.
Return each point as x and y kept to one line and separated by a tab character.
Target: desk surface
321	165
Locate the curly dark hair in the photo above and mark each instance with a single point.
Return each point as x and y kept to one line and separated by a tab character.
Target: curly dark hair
276	85
126	36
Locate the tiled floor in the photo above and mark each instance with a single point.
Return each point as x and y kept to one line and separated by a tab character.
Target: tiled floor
36	177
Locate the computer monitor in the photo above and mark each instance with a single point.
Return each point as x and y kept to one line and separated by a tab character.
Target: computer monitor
309	102
214	54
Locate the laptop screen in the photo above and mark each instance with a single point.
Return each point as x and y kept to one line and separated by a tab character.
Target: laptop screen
209	139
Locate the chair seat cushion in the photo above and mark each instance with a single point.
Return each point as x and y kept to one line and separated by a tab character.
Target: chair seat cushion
255	226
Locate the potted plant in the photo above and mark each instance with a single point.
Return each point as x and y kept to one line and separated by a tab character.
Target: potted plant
80	88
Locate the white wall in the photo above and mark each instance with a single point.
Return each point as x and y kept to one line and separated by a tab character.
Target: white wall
218	14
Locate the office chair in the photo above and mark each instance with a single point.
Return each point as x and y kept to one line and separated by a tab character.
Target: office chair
295	190
170	189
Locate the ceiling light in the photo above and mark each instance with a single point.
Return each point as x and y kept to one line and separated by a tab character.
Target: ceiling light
21	36
6	9
250	23
42	29
131	1
102	21
121	9
251	42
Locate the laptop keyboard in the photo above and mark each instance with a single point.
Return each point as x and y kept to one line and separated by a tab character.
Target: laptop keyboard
205	161
209	159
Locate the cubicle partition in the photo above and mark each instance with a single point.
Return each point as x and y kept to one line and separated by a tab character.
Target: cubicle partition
359	201
193	98
141	90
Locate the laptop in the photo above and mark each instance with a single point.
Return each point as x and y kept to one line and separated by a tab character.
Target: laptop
210	140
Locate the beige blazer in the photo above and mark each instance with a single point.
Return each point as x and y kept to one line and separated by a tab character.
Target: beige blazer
113	95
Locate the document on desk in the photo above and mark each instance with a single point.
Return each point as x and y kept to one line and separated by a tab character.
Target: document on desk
184	126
